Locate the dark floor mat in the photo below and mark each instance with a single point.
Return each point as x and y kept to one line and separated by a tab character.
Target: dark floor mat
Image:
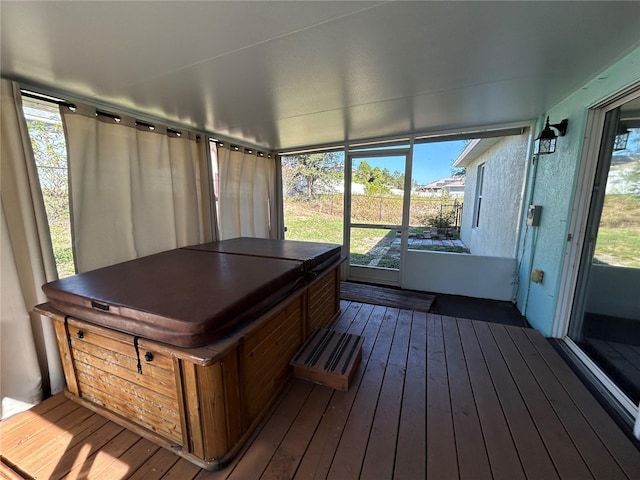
478	309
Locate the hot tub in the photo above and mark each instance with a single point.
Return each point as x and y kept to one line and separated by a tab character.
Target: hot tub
190	347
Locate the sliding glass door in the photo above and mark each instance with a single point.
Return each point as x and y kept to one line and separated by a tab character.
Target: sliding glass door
605	318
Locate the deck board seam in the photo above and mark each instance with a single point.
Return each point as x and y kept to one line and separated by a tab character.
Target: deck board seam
503	387
585	402
554	393
525	403
525	378
464	355
348	427
495	399
363	367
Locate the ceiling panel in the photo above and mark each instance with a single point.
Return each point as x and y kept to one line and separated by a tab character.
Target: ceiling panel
292	74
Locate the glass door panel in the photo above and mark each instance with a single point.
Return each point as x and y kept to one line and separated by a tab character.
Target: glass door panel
313	196
605	319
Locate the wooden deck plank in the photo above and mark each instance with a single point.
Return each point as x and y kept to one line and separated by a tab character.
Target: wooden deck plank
255	461
354	318
591	449
182	470
384	296
238	458
380	451
531	449
348	313
13	440
43	464
442	460
155	468
94	466
126	464
625	453
320	452
17	422
287	457
7	473
348	458
412	441
412	362
470	445
566	458
501	451
47	435
75	456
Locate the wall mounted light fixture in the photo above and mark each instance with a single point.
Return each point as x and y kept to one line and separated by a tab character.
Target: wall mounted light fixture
620	142
546	141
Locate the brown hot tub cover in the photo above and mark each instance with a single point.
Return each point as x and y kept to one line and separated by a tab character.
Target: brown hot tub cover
313	255
184	297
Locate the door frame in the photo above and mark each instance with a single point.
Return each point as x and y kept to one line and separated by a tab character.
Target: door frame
576	239
377	275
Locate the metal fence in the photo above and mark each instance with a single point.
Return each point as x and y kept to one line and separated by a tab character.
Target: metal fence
386	209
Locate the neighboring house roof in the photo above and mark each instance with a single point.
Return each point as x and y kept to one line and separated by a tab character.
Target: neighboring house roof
451	182
474	150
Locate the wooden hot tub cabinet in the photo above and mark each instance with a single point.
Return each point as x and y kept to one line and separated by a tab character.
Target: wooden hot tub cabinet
200	402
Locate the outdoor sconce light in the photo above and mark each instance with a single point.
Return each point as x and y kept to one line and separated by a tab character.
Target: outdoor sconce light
620	142
546	141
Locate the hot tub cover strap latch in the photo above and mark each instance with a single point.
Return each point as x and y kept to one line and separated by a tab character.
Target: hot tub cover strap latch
135	344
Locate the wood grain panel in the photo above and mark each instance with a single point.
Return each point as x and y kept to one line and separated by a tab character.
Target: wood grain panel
164	385
210	388
123	345
62	337
167	426
323	301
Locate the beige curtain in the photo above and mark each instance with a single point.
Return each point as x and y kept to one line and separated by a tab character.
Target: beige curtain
247	194
29	362
134	192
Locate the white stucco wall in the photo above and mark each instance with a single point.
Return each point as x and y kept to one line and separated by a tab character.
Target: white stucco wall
504	174
459	274
552	185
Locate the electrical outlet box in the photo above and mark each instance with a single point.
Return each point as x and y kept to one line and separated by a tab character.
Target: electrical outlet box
533	215
537	276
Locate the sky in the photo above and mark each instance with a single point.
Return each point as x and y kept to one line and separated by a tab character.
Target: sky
431	161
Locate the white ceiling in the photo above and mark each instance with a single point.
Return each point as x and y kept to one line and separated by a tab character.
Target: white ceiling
292	74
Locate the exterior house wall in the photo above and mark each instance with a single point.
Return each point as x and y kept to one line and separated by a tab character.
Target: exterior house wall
504	174
552	184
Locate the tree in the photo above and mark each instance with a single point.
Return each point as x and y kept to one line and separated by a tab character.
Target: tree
49	150
50	153
377	181
458	172
310	173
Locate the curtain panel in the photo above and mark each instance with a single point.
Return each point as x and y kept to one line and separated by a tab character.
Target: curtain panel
247	184
134	192
30	365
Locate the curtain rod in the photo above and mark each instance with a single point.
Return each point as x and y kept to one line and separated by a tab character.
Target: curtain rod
138	123
505	129
47	98
54	96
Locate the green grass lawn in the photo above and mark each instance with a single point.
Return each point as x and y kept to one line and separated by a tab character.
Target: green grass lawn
369	246
313	229
618	246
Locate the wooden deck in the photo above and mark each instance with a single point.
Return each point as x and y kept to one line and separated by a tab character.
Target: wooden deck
434	396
